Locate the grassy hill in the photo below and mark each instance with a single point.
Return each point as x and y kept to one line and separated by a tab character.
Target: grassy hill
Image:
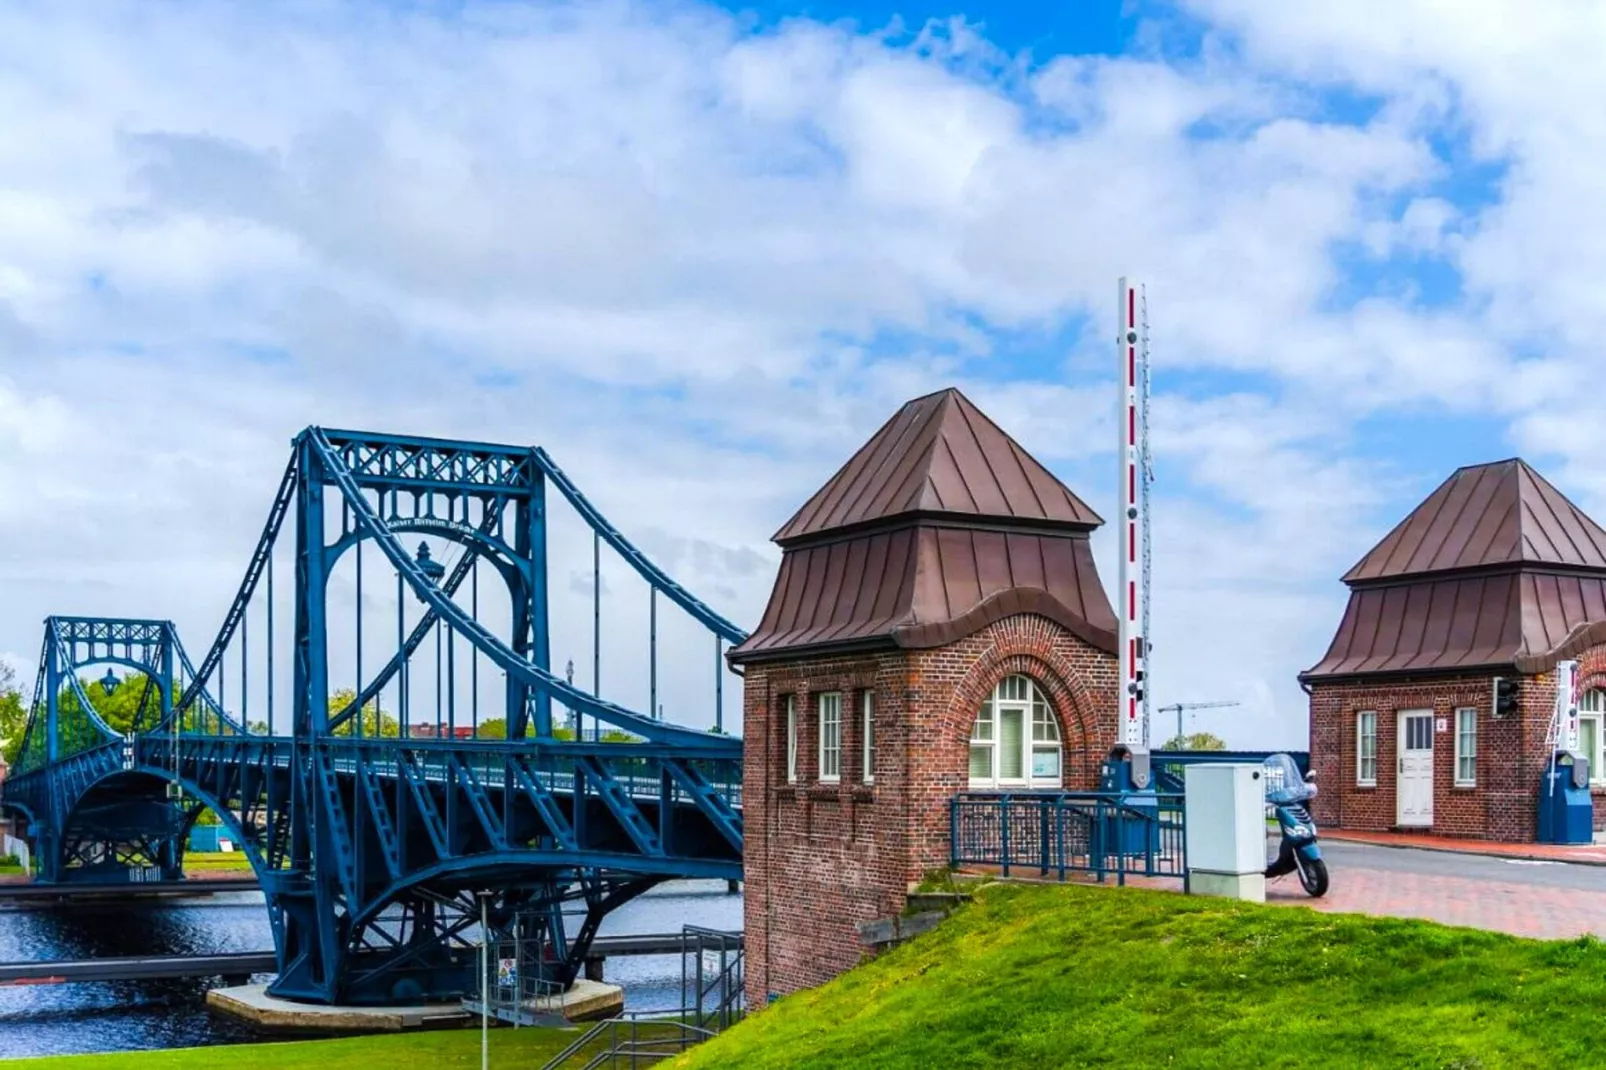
1041	976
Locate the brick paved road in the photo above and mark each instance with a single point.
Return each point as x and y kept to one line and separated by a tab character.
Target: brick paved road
1550	900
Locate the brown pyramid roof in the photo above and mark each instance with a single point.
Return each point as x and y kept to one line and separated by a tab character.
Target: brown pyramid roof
940	525
1486	515
1496	569
939	455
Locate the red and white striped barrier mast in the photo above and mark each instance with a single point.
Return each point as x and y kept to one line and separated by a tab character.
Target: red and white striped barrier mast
1133	347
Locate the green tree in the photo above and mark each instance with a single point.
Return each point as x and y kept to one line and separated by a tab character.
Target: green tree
119	706
13	715
1197	741
375	721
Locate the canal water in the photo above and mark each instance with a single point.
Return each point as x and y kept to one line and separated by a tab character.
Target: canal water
129	1015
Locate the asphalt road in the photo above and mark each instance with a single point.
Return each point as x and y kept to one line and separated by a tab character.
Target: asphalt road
1465	866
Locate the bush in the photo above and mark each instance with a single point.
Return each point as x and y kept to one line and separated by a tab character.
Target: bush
10	860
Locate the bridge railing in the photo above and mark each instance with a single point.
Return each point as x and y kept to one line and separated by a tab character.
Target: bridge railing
638	768
1104	834
1169	764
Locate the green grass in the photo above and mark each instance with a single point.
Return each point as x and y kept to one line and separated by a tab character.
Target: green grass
1047	976
443	1050
11	871
198	862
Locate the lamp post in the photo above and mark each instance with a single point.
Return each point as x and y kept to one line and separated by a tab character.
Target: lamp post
485	980
574	714
428	565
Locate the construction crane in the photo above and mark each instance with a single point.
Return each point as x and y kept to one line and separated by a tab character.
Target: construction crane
1180	707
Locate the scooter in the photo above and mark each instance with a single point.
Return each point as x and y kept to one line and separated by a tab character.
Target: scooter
1287	792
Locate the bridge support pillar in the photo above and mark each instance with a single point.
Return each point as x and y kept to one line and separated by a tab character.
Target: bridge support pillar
171	859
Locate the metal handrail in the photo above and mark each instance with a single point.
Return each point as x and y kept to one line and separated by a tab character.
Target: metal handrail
653	1048
585	1038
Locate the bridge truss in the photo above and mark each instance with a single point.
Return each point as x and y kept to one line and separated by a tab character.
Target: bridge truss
384	817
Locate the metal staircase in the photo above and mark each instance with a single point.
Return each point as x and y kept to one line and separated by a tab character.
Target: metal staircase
711	979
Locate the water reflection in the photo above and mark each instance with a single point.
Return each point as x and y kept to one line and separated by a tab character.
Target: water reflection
66	1019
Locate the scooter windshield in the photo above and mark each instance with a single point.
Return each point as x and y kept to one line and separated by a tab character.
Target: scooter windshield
1285	783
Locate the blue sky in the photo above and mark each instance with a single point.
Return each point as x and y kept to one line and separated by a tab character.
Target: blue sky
701	252
1095	26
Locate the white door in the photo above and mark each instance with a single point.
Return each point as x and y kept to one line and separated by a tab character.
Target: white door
1413	791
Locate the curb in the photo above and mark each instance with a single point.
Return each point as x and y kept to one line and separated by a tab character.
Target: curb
1450	848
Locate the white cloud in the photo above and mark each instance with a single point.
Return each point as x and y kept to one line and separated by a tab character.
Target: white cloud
700	265
1507	76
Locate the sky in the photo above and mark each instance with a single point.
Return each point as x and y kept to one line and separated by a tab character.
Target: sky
701	252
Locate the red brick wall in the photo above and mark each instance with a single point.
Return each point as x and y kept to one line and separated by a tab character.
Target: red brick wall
1592	675
820	858
1512	751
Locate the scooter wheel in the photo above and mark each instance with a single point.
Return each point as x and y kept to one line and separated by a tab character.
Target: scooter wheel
1313	876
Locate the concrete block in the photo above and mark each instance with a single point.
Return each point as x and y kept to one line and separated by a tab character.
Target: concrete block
585	1001
1250	887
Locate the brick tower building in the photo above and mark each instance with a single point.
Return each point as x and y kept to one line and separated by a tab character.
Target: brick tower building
937	626
1495	575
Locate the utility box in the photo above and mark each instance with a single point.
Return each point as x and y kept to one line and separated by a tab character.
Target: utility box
1225	811
1566	810
1132	829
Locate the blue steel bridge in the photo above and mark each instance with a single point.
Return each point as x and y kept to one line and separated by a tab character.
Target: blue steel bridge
382	819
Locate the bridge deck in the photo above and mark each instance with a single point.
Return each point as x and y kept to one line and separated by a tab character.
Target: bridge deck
17	894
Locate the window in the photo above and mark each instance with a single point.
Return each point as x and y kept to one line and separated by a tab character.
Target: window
867	711
1466	746
791	738
1366	748
831	736
1015	741
1592	732
1045	740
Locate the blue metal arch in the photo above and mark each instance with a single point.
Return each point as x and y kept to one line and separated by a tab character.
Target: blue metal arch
490	549
258	864
533	860
154	674
21	807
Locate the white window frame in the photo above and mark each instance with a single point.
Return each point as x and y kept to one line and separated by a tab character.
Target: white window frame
1367	718
1592	707
1466	724
791	739
867	735
828	707
1040	734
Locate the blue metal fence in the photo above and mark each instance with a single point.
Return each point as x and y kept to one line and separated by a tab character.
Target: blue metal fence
1105	834
1168	764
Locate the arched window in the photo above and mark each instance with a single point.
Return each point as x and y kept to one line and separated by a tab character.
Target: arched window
1015	742
1592	731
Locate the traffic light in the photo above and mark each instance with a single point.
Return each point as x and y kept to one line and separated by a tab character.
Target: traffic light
1505	696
